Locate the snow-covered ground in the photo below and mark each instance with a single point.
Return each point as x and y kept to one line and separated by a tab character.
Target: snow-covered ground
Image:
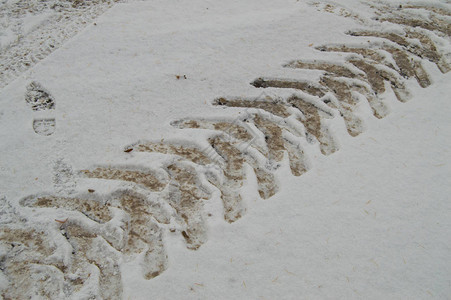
369	220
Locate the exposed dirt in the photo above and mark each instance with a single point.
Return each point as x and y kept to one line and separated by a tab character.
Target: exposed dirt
407	67
90	208
146	179
144	234
189	153
234	175
410	68
273	137
365	52
266	180
312	124
340	88
433	25
269	105
428	50
267	186
186	198
278	145
296	158
409	15
31	252
90	251
395	38
25	251
305	86
335	69
311	120
376	78
234	130
234	158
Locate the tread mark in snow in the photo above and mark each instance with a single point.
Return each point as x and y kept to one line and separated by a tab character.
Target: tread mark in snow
185	196
406	65
143	178
427	49
312	121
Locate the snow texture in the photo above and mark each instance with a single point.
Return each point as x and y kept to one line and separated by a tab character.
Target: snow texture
225	149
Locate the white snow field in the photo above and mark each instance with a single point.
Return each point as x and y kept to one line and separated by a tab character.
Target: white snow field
225	149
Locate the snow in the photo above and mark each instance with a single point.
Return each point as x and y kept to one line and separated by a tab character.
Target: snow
370	221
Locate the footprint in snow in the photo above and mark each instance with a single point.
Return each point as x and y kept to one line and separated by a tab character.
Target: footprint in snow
41	100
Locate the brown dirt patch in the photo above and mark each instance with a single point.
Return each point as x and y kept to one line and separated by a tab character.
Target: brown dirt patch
376	78
335	69
428	49
277	145
27	249
274	107
288	84
189	153
296	158
146	179
267	186
90	208
234	175
389	36
233	157
188	204
312	124
312	120
273	137
144	234
234	130
339	88
407	67
87	249
365	52
435	25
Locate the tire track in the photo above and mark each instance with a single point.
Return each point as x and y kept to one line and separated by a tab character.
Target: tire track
62	21
131	223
